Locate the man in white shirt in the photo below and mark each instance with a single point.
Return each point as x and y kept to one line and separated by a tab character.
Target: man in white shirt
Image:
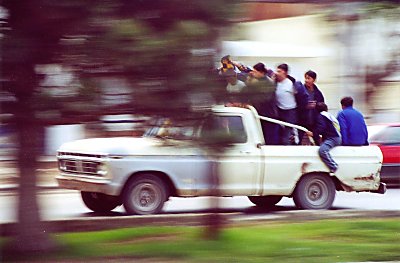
286	101
234	85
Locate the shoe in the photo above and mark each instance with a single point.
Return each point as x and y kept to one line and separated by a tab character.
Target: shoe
332	172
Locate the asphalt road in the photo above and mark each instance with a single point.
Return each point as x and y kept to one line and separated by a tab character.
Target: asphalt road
60	204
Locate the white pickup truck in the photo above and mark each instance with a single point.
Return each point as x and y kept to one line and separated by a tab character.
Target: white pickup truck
142	173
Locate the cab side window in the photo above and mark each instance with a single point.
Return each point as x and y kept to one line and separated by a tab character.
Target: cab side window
231	126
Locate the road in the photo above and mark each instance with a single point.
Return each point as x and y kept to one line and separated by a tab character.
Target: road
58	204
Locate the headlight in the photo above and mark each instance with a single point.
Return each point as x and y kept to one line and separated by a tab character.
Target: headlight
102	169
61	165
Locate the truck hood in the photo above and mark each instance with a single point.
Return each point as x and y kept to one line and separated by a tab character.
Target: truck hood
125	146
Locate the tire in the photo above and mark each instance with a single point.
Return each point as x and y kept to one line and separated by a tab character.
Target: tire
99	202
315	192
265	201
145	195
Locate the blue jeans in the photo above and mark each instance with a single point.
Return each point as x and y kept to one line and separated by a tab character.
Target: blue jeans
287	116
326	157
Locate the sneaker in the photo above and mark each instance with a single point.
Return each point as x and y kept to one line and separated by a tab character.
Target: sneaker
332	172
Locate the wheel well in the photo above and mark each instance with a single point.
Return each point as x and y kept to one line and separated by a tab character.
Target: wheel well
336	181
171	191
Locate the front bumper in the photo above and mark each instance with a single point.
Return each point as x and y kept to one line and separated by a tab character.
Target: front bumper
82	183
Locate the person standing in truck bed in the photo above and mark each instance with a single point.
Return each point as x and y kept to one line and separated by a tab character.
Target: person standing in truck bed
286	102
260	92
308	115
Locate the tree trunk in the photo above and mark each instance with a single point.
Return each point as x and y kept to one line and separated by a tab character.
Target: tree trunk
214	221
30	235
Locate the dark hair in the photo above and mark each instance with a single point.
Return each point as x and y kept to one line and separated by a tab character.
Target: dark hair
311	74
347	102
321	106
284	67
260	67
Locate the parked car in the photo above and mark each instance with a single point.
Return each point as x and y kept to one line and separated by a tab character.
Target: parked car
388	140
142	173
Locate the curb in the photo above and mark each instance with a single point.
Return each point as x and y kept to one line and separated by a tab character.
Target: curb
107	223
231	219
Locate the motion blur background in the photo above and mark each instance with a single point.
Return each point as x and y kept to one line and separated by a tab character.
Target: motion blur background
353	46
80	69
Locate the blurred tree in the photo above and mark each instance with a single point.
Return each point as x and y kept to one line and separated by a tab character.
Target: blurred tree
368	64
375	75
32	31
164	49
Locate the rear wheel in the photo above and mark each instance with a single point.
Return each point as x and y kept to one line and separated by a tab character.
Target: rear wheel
315	192
99	202
145	195
265	201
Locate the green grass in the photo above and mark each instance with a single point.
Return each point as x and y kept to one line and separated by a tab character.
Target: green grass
315	241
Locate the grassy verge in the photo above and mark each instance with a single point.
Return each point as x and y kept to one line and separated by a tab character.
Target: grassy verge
316	241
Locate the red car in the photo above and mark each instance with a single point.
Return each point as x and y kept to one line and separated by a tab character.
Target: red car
388	140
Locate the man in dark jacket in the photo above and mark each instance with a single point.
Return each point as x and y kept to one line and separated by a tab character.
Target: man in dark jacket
308	114
260	92
352	125
328	127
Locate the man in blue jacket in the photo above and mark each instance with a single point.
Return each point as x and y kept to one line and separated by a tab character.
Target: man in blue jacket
308	114
352	125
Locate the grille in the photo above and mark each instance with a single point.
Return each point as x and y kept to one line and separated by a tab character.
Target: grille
80	154
78	166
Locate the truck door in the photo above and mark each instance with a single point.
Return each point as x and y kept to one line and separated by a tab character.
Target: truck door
239	165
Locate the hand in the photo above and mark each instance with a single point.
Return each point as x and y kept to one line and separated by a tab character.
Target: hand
309	133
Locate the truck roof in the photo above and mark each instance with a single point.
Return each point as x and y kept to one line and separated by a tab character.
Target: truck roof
225	109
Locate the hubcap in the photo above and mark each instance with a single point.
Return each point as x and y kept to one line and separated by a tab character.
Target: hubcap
317	192
145	197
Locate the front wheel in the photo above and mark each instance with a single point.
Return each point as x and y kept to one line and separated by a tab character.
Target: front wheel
145	195
99	202
315	192
265	201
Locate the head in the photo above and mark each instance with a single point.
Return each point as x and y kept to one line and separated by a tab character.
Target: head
282	72
310	77
226	59
259	71
347	102
321	106
226	63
